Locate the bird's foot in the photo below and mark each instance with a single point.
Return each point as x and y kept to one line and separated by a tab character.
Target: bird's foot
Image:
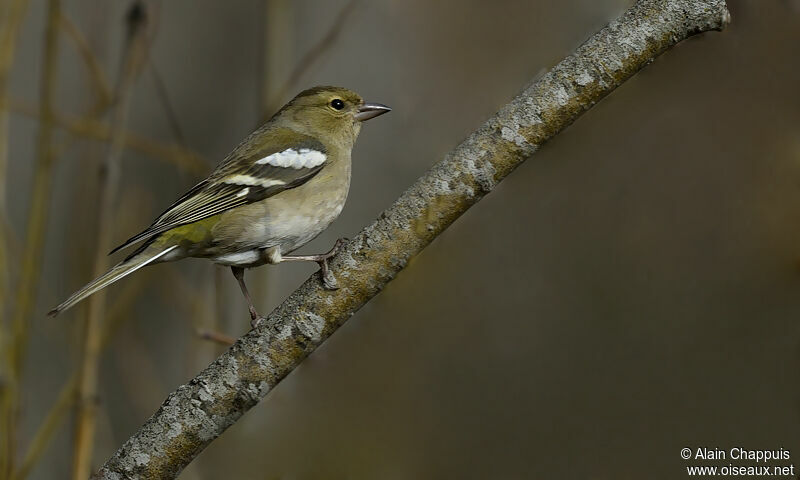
256	319
328	280
333	251
257	322
340	242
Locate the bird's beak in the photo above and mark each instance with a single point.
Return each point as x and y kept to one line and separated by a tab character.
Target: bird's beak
371	110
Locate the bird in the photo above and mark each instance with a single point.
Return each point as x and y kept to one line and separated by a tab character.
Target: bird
276	191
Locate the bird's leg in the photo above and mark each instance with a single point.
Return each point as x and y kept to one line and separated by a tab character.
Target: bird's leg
328	280
255	318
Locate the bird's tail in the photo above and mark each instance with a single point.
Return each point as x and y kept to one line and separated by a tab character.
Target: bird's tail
124	268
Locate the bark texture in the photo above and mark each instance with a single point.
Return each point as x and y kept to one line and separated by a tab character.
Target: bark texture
199	411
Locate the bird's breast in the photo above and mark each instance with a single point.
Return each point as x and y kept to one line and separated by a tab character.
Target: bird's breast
287	220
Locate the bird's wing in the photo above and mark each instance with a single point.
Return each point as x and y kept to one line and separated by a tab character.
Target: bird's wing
248	175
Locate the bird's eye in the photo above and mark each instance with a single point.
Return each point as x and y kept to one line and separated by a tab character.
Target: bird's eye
337	104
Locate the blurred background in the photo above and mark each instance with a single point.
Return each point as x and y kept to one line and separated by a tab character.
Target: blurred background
631	290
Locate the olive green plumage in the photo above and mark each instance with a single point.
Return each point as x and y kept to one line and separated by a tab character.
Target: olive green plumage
277	190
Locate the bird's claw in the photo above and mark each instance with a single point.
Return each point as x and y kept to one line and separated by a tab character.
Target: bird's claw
257	321
329	281
340	242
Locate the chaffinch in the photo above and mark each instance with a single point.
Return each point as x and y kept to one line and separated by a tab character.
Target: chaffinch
276	191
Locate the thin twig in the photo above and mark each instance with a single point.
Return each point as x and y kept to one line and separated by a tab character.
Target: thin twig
37	225
48	428
103	91
118	312
90	128
310	58
215	336
120	309
277	51
85	423
99	81
191	298
218	301
194	304
163	96
13	14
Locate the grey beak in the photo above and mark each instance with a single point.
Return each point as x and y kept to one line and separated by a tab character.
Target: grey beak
371	110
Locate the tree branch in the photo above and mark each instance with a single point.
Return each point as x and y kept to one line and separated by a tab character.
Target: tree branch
199	411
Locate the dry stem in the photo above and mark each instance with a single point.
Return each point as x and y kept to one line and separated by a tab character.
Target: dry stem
85	423
96	74
117	313
310	58
34	247
13	14
90	128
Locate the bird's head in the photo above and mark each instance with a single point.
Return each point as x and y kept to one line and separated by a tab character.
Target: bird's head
332	113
